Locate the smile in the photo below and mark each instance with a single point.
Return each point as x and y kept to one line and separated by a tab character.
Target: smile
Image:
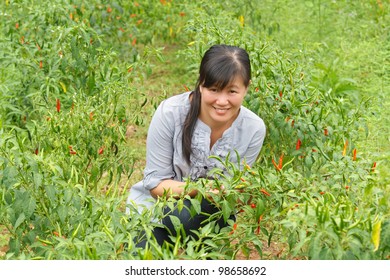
221	109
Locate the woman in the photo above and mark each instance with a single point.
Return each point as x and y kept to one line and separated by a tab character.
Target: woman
188	128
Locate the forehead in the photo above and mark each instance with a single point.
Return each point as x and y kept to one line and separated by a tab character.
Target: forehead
236	81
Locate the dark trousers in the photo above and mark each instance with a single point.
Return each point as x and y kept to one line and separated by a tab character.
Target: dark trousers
188	222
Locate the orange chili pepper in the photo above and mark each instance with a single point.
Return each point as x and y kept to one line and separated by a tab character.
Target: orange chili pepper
345	147
278	166
234	228
263	191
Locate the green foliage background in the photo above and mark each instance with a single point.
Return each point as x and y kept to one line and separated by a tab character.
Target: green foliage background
79	81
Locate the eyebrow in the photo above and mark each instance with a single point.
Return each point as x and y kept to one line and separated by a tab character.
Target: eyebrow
233	85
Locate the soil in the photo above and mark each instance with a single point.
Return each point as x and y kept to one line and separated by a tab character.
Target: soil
272	252
3	238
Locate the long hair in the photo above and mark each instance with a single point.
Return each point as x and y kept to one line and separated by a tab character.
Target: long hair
220	65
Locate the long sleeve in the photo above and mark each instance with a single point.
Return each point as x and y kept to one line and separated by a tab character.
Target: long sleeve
160	148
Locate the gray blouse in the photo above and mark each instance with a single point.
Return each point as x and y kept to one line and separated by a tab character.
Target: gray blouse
164	156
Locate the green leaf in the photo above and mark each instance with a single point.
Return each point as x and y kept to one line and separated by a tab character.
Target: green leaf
29	206
10	174
19	221
68	194
51	194
195	205
226	210
37	179
175	222
260	208
62	212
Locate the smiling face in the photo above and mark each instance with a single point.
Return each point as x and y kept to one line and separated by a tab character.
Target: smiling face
220	107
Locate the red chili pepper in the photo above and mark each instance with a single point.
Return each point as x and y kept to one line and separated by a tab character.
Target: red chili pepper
40	64
36	151
280	162
373	167
234	228
280	94
186	88
326	133
354	155
71	151
298	146
101	150
322	193
58	105
263	191
253	205
91	116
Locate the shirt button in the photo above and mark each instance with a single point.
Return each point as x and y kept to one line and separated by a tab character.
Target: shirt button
205	167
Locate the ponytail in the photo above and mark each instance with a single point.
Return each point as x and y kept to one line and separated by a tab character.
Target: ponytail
189	124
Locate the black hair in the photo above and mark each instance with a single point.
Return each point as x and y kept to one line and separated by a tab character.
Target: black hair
220	65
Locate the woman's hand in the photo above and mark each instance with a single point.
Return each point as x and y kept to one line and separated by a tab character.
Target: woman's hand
171	188
212	193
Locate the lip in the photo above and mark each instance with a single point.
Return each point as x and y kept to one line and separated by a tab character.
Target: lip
221	109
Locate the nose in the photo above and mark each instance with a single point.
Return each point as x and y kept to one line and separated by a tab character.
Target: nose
222	99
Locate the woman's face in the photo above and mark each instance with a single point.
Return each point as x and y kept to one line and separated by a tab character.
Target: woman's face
220	107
